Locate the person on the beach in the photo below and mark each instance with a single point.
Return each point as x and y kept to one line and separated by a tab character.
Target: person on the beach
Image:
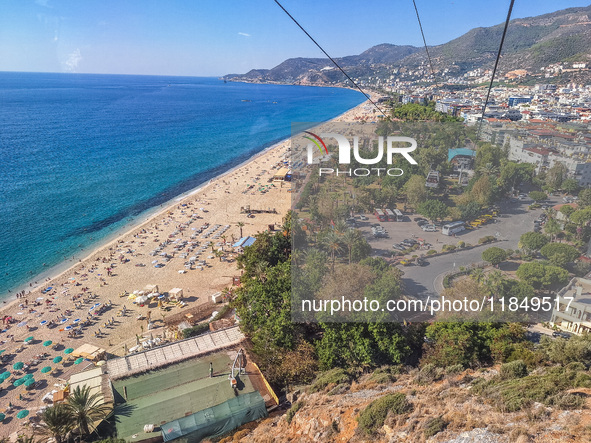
210	369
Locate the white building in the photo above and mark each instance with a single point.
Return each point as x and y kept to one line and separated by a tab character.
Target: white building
574	315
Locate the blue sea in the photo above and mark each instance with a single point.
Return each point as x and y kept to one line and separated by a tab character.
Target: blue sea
82	155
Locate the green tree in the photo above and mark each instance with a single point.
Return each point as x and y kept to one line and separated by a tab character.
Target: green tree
567	210
482	191
272	248
540	275
332	243
494	255
57	422
489	154
349	239
533	241
469	344
385	196
513	174
265	308
470	210
86	408
555	176
584	198
570	252
552	228
570	185
416	193
240	225
477	275
538	196
433	209
581	217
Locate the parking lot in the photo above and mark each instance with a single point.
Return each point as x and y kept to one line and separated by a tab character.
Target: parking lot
421	281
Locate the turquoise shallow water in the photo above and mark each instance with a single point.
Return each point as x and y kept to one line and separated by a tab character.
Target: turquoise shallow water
82	155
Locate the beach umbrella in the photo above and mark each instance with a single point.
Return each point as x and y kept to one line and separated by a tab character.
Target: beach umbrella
4	376
2	417
22	414
57	359
18	382
79	360
29	339
68	351
47	343
28	376
29	382
46	369
2	351
18	365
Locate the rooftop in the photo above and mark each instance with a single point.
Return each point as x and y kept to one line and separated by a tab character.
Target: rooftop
174	353
161	396
579	288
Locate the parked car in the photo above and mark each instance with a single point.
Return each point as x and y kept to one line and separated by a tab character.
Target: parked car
362	217
422	223
429	228
418	219
399	247
422	262
556	334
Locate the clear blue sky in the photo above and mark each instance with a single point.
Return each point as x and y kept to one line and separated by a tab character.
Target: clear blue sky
216	37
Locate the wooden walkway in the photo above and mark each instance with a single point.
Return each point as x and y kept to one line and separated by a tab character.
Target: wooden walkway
173	353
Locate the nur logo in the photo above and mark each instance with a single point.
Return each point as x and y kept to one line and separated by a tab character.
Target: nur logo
344	149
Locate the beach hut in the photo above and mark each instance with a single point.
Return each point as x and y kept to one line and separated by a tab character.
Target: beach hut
150	288
89	352
176	294
281	174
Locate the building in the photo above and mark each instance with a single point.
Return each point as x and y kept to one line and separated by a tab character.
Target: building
461	158
573	315
514	101
166	393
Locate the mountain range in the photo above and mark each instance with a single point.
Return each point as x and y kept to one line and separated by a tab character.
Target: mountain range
531	43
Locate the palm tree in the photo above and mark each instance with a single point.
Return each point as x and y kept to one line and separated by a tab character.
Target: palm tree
341	227
477	275
349	239
240	225
332	241
219	254
494	283
552	228
260	270
86	408
488	169
58	422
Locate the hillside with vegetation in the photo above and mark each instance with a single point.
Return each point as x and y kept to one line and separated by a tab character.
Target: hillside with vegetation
373	380
531	43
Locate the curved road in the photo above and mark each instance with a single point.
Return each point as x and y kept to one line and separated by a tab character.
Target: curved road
515	220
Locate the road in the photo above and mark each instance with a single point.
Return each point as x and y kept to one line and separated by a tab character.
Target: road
422	282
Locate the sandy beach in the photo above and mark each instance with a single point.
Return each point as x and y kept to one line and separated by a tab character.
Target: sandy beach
87	297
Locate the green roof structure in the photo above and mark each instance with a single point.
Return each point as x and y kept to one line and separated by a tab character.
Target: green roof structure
182	399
